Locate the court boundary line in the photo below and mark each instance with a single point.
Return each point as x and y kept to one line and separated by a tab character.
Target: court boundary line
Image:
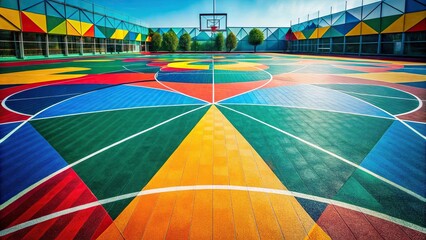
282	192
36	184
381	109
308	108
408	191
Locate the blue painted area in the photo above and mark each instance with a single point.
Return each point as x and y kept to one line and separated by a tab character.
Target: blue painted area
57	90
400	157
420	127
33	106
7	128
313	208
307	96
26	157
412	69
118	97
202	76
416	84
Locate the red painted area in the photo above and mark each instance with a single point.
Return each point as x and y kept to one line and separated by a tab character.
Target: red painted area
342	223
90	32
421	26
64	191
157	64
29	26
151	84
199	90
227	90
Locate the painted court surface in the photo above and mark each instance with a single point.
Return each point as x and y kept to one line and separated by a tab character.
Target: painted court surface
197	146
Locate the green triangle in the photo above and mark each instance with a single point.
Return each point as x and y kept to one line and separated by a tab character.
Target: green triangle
53	22
373	23
332	33
387	21
308	32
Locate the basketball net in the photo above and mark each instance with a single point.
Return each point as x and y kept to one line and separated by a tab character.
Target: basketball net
213	28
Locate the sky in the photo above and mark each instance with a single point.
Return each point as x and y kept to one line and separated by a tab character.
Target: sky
241	13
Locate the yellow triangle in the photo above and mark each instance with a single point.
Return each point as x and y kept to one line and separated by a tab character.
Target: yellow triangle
139	37
411	19
314	35
38	19
317	233
76	27
85	27
395	27
355	31
367	30
11	16
214	153
323	30
5	25
71	30
60	29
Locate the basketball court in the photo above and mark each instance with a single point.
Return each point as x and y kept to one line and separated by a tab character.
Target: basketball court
200	146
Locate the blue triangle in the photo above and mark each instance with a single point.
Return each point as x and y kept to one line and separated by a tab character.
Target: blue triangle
345	28
350	18
98	33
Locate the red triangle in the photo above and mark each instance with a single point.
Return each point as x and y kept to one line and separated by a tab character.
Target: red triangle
421	26
90	32
29	26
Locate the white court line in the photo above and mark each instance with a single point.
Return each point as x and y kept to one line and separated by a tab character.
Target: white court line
115	110
23	192
380	96
172	89
270	80
213	78
213	187
309	108
333	155
395	116
50	96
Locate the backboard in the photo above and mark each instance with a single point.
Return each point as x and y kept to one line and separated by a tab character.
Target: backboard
213	22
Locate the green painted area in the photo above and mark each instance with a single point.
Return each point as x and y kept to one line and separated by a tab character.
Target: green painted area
349	136
307	170
325	69
366	191
226	76
369	89
128	166
53	22
391	105
387	21
374	23
332	32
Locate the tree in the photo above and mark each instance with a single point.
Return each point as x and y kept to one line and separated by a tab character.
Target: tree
170	41
150	32
219	42
195	46
231	42
255	37
156	42
185	42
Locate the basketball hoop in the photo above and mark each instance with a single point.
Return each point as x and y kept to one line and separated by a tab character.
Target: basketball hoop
213	28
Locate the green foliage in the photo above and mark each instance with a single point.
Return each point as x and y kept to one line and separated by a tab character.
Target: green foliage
195	46
219	42
231	42
170	41
185	42
156	42
255	37
150	32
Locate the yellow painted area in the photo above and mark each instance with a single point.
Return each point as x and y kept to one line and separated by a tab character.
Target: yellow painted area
317	233
299	36
139	37
366	30
60	29
12	16
119	34
411	19
218	57
355	31
314	34
73	27
42	75
322	31
94	60
392	77
215	153
85	27
38	19
396	27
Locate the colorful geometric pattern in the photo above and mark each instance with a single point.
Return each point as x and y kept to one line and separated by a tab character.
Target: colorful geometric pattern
379	17
52	17
249	146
